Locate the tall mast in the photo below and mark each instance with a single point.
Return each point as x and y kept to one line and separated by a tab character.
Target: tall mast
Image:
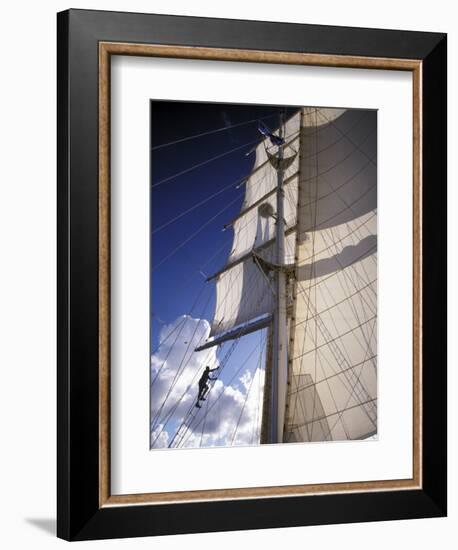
279	336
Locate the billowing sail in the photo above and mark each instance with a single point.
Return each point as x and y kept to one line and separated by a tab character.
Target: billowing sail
332	391
330	219
243	289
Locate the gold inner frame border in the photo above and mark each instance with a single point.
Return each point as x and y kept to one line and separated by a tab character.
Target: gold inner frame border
106	50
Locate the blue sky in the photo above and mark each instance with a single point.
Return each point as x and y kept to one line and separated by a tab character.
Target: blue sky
176	282
182	254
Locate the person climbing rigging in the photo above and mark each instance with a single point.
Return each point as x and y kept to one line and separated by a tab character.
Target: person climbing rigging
203	385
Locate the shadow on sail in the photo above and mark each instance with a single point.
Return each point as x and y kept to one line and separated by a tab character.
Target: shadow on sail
344	259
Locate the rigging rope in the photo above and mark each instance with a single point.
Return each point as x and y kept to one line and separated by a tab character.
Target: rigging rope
246	400
208	222
169	415
223	363
303	181
316	316
311	286
203	163
221	129
345	372
184	423
348	139
217	399
181	325
369	402
192	208
179	367
221	366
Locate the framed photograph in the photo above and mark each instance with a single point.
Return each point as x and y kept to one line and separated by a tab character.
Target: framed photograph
252	275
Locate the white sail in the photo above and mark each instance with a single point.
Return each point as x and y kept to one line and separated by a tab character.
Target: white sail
330	206
243	290
314	291
250	228
332	392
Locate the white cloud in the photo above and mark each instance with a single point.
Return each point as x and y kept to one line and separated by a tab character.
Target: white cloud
231	415
160	437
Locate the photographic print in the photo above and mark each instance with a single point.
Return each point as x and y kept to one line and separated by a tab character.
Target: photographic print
263	274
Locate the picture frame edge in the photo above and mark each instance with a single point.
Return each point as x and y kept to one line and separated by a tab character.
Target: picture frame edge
92	519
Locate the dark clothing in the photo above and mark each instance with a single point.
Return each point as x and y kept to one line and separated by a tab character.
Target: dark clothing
203	389
203	386
205	377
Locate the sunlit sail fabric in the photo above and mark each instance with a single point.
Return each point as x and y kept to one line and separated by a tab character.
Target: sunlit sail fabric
331	243
332	391
243	290
250	228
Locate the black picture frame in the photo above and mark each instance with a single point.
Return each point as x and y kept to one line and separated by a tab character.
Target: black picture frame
80	516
